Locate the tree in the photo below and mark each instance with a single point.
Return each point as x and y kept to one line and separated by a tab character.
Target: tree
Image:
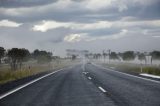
155	55
141	56
104	55
23	56
97	55
114	56
74	57
42	56
128	55
17	56
36	53
2	52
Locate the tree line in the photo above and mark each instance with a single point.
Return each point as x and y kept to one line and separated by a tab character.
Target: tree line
16	56
127	55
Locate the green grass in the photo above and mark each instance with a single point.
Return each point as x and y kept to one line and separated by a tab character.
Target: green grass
152	70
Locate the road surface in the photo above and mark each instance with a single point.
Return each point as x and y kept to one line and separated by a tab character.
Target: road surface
87	85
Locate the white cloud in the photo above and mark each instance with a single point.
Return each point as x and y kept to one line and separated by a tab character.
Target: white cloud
73	38
91	26
122	24
8	23
47	25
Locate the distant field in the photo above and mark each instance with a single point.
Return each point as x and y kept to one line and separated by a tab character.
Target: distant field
6	74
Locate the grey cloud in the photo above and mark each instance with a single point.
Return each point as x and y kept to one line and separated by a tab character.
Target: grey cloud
150	12
23	3
25	37
99	32
53	39
77	14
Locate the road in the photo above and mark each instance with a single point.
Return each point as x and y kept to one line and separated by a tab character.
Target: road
87	85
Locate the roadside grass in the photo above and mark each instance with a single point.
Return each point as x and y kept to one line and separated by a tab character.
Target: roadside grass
134	68
7	75
152	70
10	75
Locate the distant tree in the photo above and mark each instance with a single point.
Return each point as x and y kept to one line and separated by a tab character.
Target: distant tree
2	52
74	57
141	56
36	53
42	56
23	55
128	55
17	56
155	55
113	56
96	55
99	55
104	55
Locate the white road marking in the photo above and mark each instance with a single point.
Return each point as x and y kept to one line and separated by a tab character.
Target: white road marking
85	72
27	84
149	75
128	74
103	90
112	67
89	78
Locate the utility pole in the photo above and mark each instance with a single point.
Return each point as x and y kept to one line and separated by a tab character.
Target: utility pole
104	55
109	51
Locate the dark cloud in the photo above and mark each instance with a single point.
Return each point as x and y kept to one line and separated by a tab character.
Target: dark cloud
150	12
37	10
23	3
73	14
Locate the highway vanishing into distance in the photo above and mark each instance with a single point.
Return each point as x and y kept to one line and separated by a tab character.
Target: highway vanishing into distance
87	85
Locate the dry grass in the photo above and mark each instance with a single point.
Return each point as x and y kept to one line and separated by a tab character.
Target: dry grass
7	75
135	68
10	75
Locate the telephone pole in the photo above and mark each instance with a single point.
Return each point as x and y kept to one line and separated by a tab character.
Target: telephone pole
109	51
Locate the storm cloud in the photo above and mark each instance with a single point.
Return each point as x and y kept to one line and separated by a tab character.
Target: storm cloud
68	24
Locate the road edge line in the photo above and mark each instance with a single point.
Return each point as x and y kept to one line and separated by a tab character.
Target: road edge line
27	84
127	74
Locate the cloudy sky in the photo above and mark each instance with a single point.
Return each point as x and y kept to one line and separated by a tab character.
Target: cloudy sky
95	25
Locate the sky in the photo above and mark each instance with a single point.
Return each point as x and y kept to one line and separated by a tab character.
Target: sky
94	25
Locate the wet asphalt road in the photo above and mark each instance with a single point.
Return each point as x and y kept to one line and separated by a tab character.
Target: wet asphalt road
87	85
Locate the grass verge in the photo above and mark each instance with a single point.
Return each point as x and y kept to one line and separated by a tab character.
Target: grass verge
7	75
135	68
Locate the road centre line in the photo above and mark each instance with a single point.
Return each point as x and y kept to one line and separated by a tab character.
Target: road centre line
103	90
89	78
